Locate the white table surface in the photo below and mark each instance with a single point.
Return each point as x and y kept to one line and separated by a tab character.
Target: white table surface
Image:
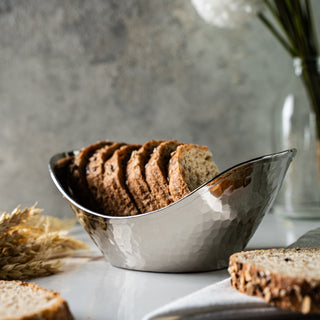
96	290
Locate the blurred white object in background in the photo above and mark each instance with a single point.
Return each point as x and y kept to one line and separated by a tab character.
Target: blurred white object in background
227	13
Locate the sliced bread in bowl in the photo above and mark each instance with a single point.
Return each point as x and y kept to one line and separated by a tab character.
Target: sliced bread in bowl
136	177
190	166
157	172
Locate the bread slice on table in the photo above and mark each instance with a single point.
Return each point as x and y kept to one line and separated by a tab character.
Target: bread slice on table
116	197
28	301
136	178
286	278
78	171
189	167
157	172
95	172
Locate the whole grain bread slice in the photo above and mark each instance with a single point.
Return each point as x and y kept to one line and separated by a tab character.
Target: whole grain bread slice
157	172
189	167
28	301
286	278
78	171
95	172
116	198
136	179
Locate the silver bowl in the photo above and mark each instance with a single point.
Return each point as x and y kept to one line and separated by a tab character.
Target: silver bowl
197	233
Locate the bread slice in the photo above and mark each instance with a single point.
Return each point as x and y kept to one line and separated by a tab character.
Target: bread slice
157	172
286	278
116	198
95	172
136	180
28	301
63	172
114	178
189	167
78	171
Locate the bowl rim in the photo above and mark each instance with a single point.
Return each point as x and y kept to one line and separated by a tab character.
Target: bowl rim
53	160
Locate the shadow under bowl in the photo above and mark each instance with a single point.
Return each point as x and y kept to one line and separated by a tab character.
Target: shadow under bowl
197	233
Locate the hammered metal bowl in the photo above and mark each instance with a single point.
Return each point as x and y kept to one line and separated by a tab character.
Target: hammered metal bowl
196	233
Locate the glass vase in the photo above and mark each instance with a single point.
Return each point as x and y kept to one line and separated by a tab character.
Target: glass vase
296	125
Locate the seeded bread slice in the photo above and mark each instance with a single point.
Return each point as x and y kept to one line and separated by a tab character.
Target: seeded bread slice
136	180
95	172
286	278
28	301
189	167
116	198
78	171
157	172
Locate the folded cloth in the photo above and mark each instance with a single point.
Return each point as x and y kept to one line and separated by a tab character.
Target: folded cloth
221	301
311	239
218	301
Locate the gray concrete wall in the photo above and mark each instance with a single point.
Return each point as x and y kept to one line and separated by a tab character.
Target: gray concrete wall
73	72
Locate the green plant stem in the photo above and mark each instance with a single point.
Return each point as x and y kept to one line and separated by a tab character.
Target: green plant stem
313	36
293	26
311	81
275	32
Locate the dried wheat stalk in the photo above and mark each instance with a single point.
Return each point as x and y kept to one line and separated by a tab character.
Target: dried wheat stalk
32	245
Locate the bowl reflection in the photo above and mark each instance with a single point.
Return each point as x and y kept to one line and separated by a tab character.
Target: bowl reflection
197	233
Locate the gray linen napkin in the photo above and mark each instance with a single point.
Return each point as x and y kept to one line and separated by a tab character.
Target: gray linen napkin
311	239
221	301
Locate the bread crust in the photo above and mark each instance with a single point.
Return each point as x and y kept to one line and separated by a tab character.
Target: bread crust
285	291
78	172
157	172
116	197
58	310
177	185
95	172
63	172
136	178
